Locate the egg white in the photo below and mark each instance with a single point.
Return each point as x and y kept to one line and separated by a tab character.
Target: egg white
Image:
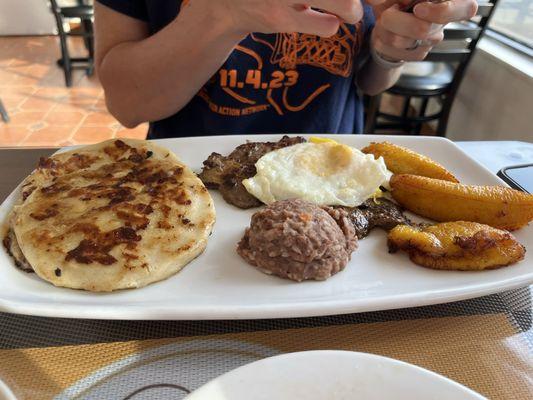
321	173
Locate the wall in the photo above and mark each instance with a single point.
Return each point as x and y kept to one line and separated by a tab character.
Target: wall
495	100
26	17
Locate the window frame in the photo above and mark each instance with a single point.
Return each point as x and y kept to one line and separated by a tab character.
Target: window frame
504	38
511	42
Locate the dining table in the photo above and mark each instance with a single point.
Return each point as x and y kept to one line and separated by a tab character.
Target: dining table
484	343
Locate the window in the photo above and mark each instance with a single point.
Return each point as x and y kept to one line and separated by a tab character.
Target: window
514	20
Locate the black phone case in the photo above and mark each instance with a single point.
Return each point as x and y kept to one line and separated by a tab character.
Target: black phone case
502	173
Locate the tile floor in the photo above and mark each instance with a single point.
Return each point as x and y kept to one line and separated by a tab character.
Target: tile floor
43	112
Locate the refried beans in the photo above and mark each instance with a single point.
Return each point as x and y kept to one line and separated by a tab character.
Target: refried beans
298	240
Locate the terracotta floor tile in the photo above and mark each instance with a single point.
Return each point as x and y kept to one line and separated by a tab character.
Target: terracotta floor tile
92	92
93	99
12	62
24	80
56	79
83	108
91	134
116	126
49	136
24	118
80	98
37	104
6	78
40	71
52	92
17	90
137	133
71	118
11	135
12	102
85	101
44	112
98	118
38	125
6	62
91	81
100	104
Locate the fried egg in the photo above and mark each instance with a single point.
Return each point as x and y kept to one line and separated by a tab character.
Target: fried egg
323	172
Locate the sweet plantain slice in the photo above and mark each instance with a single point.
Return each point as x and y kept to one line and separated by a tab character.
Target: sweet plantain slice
466	246
444	201
400	160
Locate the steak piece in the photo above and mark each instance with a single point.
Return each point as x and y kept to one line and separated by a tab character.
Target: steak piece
381	213
359	221
226	173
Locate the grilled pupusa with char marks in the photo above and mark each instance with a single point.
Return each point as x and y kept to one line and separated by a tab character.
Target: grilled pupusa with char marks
13	249
119	214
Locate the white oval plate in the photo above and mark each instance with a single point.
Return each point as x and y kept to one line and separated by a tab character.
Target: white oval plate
221	285
5	392
332	375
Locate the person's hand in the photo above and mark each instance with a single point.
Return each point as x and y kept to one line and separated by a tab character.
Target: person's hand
406	36
275	16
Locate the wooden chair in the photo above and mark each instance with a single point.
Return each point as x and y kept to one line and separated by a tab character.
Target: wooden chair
84	11
438	76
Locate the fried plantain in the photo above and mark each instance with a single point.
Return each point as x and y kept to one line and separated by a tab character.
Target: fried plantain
444	201
466	246
401	160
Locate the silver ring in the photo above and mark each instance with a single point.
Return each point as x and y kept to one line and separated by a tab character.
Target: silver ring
415	45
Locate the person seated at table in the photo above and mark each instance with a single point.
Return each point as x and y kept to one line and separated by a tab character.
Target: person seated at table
199	67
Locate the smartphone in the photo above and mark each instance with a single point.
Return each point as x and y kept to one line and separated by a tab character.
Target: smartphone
518	177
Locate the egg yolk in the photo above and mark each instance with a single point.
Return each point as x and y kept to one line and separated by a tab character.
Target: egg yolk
318	140
334	159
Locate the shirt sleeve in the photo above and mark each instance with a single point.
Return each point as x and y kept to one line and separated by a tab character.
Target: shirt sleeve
369	20
132	8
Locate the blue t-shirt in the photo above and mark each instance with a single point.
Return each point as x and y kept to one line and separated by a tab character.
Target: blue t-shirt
294	83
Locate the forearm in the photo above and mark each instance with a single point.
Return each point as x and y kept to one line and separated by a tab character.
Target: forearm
373	79
154	78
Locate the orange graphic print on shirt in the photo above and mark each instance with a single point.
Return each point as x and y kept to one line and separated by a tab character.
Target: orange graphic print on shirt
270	86
334	54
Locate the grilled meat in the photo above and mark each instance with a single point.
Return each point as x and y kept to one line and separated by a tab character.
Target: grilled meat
226	173
382	213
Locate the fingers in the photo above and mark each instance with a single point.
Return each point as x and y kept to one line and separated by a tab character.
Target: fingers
448	11
411	44
349	11
395	53
315	23
387	3
379	6
406	24
402	42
